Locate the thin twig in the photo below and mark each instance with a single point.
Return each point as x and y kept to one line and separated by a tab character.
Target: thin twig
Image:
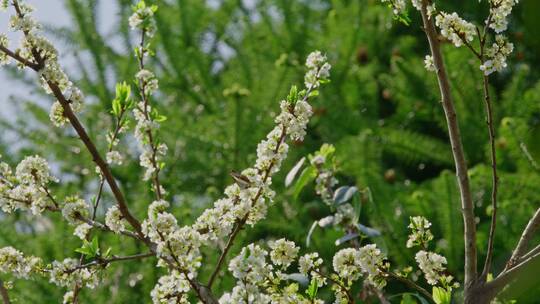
494	177
146	101
526	236
410	284
105	262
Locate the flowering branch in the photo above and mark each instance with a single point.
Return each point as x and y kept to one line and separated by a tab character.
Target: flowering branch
318	74
41	63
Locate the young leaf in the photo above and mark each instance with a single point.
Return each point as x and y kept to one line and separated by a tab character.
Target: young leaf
312	289
308	238
307	175
343	194
292	174
346	238
371	232
441	295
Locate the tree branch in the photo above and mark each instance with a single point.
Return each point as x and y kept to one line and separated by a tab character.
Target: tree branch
457	149
526	236
507	276
494	177
105	262
4	293
410	284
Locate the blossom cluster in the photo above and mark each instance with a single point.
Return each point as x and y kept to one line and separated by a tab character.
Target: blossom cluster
500	10
350	264
66	274
496	55
14	262
430	263
26	188
142	18
260	280
455	29
398	6
420	233
322	160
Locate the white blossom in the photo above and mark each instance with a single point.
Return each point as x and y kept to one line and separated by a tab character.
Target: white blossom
81	231
420	233
69	297
500	10
4	58
14	262
250	266
398	6
66	274
74	208
171	289
283	252
114	158
431	264
148	79
34	170
115	220
318	69
346	264
429	64
455	29
496	55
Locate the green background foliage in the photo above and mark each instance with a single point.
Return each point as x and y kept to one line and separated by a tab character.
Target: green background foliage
222	71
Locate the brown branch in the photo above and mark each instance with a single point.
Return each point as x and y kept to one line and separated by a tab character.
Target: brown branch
34	66
4	293
509	275
105	170
103	227
105	262
494	177
531	253
410	284
467	205
526	236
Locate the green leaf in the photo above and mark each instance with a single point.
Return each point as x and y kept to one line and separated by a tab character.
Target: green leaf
371	232
312	289
116	107
441	295
310	232
307	175
346	238
292	174
293	95
314	93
